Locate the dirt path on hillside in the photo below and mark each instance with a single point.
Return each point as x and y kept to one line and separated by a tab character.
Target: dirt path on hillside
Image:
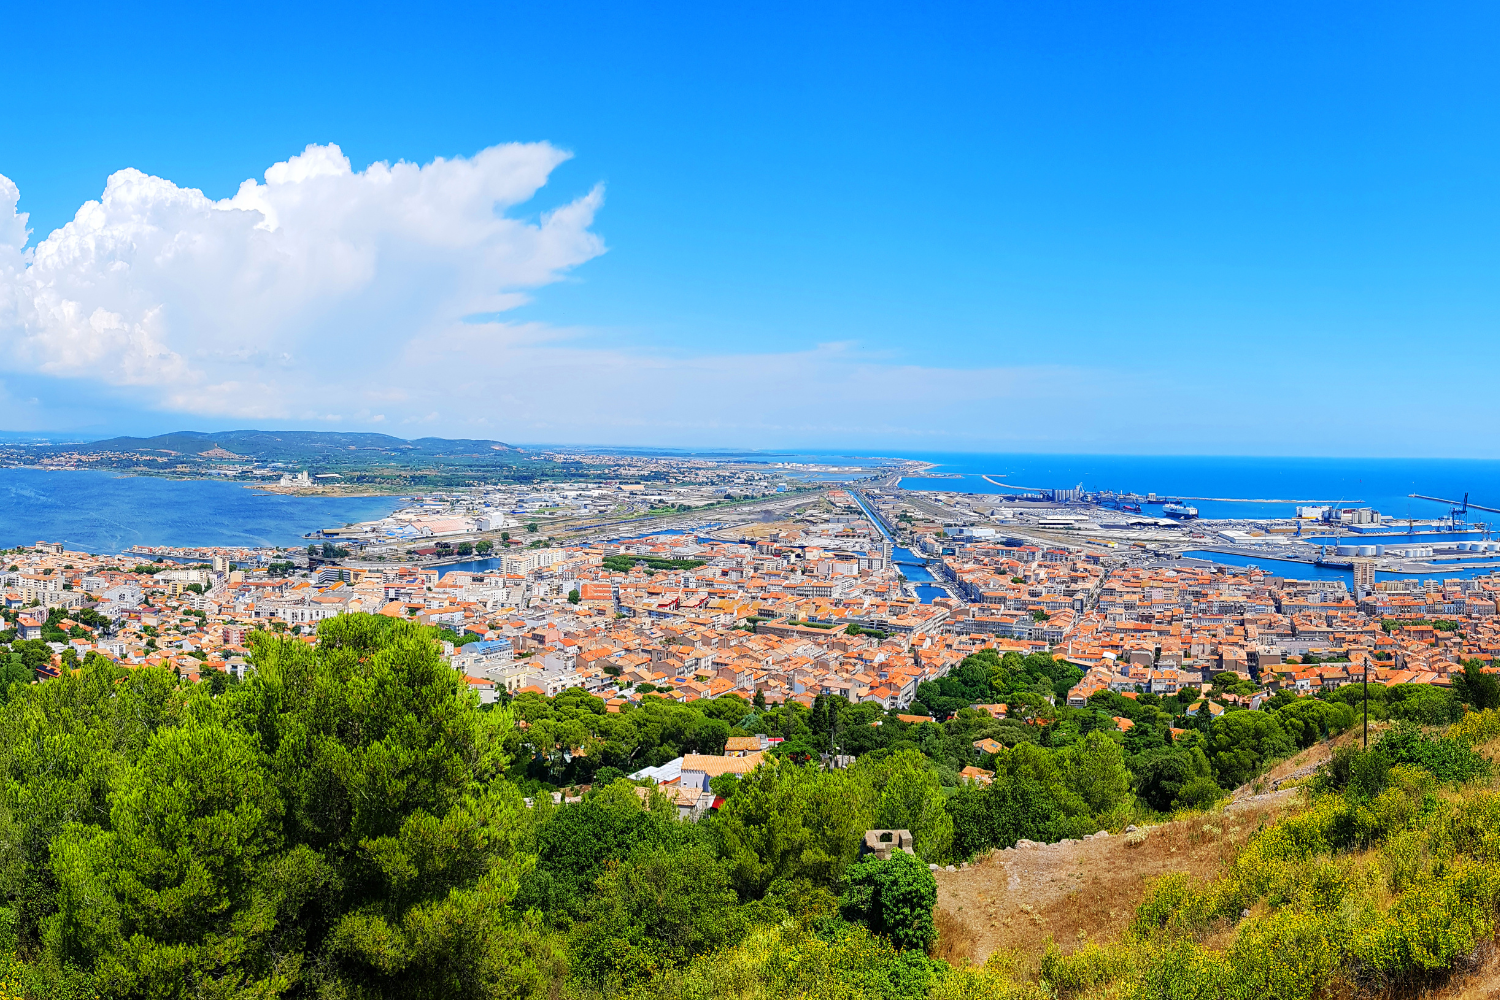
1076	891
1083	890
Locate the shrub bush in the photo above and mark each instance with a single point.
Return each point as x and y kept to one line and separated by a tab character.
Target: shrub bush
1476	728
1443	916
1085	969
1287	955
894	897
1447	759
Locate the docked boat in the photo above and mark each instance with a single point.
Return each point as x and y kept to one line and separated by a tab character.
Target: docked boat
1179	510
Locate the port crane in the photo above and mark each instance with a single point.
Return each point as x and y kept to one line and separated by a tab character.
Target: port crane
1458	510
1460	514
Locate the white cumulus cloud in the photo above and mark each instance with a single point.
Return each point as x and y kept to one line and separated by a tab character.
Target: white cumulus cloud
323	296
249	304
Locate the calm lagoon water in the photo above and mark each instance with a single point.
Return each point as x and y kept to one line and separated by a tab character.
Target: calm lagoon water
102	512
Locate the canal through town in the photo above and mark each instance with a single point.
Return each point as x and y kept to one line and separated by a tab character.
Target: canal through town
910	565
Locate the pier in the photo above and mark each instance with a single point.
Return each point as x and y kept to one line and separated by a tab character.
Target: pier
1013	486
1257	500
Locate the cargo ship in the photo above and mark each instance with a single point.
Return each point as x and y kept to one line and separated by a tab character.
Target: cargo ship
1179	510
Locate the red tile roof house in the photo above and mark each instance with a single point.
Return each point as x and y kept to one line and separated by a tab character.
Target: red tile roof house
698	769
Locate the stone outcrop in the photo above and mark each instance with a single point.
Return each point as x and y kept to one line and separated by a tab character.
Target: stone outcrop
884	843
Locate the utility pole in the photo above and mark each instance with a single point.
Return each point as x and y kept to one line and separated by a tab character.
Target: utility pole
1367	704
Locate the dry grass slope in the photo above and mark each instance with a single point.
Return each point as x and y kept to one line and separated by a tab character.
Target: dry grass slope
1072	893
1010	906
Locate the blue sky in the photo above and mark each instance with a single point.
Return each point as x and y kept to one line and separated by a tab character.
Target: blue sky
1060	227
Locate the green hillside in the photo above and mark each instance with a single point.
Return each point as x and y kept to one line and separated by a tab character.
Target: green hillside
291	446
365	461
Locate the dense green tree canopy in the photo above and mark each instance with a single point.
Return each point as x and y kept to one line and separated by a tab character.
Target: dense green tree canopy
337	820
348	822
1242	743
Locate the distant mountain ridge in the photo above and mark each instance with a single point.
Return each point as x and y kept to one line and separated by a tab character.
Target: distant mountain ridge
274	445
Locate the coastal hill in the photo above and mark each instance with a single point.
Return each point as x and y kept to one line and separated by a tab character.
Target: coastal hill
292	446
338	460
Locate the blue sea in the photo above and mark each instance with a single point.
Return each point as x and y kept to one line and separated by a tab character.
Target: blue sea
105	513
